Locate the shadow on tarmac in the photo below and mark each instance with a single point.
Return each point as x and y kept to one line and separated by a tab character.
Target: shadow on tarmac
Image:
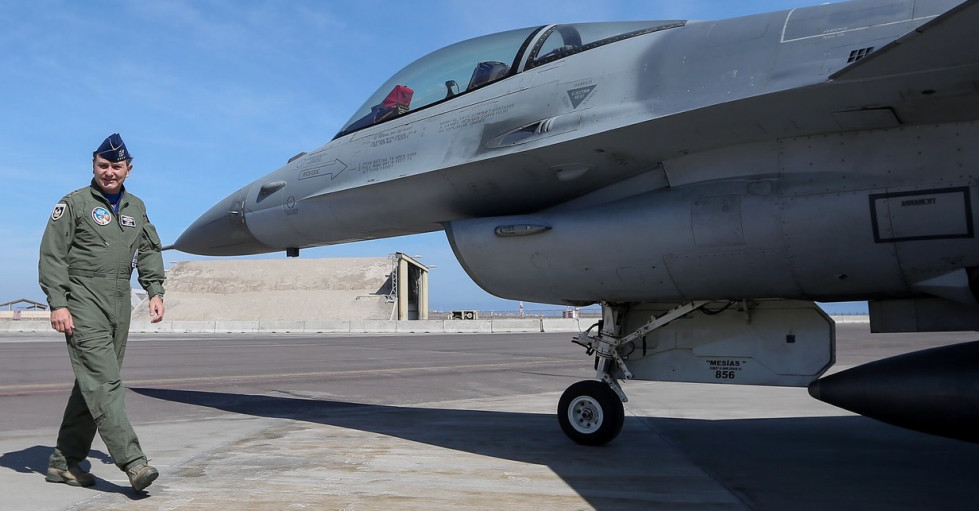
34	460
823	463
31	460
786	463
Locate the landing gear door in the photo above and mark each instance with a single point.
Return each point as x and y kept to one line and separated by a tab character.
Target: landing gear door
777	342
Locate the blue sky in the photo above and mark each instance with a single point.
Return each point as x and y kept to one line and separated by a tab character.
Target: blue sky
210	95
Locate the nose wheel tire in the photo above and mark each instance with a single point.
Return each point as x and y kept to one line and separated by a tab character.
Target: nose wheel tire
590	413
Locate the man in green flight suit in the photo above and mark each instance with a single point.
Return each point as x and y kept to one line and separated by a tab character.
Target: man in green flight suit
94	239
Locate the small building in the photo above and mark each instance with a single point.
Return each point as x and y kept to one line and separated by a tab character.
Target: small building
31	305
23	309
410	281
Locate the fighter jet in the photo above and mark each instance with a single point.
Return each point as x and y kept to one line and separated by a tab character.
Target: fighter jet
706	182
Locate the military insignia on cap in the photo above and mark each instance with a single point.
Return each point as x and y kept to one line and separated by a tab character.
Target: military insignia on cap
59	210
101	216
113	149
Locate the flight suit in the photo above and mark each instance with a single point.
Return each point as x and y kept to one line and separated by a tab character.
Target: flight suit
88	253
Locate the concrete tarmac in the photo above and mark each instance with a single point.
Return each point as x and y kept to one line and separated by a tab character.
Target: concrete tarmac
277	422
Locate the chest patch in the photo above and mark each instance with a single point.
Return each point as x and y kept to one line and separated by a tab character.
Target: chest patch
127	221
101	216
59	211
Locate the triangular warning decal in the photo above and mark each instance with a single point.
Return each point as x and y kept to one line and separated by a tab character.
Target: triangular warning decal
580	94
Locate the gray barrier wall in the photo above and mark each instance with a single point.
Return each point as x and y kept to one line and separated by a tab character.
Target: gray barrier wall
478	326
431	326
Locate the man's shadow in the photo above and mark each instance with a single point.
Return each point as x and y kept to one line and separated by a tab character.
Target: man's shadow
34	460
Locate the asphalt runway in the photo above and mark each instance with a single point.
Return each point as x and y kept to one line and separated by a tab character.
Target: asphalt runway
279	422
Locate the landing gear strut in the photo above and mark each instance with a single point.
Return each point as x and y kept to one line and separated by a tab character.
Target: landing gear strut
590	412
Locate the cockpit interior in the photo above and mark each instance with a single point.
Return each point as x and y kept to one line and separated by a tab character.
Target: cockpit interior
478	62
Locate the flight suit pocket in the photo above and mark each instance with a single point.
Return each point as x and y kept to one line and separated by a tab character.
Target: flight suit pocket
150	239
80	338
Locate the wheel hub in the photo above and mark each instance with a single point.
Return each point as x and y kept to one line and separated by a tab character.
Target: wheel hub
585	415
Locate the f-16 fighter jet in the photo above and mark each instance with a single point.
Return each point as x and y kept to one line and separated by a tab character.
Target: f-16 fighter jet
704	181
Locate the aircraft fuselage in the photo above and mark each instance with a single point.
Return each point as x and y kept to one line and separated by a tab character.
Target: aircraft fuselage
706	155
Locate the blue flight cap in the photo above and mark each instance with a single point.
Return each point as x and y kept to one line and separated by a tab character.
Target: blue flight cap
113	149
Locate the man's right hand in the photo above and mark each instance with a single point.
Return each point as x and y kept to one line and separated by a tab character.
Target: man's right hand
61	321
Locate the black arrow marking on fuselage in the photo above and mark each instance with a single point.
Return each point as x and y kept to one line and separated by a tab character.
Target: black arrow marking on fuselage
310	169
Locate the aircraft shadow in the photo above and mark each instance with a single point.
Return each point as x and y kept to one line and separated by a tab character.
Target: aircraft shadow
846	462
786	463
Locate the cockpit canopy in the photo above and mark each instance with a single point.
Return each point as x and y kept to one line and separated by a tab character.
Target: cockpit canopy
474	63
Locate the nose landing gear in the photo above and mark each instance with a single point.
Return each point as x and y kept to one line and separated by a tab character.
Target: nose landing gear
590	412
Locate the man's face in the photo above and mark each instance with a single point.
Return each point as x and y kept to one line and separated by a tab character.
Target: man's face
110	175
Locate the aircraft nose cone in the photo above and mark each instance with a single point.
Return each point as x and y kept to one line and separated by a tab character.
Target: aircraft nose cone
222	231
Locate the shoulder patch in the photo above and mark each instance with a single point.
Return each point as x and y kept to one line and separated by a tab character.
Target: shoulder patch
59	210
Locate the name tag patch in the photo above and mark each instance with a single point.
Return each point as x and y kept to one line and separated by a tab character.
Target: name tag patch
101	216
128	221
